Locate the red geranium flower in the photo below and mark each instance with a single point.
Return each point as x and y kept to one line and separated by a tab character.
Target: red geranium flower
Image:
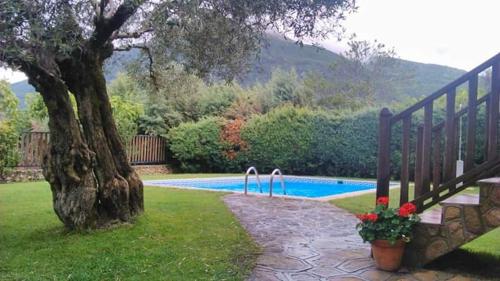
372	217
407	209
383	201
367	217
361	217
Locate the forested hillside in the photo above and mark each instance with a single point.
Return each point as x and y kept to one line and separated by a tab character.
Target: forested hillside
415	79
407	78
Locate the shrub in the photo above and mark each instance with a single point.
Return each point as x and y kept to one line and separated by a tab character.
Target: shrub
126	114
280	139
357	137
198	146
8	147
296	140
214	100
231	135
303	141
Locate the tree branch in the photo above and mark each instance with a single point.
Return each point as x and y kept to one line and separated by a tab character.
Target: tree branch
129	47
132	35
148	52
99	7
105	27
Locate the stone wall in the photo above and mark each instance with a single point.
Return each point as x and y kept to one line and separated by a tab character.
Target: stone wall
35	174
152	169
23	174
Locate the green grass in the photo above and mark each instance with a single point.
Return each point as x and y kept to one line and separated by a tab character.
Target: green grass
473	257
365	202
183	235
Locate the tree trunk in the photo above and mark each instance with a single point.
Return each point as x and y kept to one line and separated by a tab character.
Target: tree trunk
93	184
121	190
68	165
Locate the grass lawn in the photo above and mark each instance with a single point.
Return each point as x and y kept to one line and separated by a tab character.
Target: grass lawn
473	257
183	235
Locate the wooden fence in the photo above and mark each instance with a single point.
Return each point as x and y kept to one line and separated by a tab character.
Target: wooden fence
144	149
32	148
141	150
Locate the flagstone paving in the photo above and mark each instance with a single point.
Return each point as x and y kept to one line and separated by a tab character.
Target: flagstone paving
310	240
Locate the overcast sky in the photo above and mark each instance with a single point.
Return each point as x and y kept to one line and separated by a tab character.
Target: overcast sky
458	33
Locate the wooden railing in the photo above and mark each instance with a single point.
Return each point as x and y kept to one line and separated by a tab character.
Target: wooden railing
434	173
141	150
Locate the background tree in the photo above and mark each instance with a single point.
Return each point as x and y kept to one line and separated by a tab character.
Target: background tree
284	87
61	46
13	122
365	70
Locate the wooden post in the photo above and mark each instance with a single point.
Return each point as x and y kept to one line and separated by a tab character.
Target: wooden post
493	112
384	153
450	144
426	148
471	125
418	162
405	160
436	165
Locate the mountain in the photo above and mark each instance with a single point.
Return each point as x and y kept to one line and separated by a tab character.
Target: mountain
422	78
286	54
21	89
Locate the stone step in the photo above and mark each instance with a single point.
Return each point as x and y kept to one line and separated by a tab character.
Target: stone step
456	221
495	182
461	199
432	216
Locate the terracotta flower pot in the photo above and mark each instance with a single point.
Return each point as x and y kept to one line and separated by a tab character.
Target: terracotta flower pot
388	256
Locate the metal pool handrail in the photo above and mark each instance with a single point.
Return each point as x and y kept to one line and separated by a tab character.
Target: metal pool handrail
276	171
249	170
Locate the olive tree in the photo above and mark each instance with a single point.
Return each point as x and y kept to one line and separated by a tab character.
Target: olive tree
61	45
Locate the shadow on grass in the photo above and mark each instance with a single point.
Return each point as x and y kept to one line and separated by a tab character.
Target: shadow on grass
468	262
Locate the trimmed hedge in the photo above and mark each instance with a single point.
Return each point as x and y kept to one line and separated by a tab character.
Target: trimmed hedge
197	146
303	141
296	140
281	139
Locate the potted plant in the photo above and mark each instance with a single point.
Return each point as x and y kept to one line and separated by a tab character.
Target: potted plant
388	229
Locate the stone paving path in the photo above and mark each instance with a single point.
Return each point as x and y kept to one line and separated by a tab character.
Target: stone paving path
311	240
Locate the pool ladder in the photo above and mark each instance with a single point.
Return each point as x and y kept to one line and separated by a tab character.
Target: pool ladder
249	170
271	179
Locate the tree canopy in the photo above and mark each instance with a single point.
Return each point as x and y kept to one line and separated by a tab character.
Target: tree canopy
61	45
207	36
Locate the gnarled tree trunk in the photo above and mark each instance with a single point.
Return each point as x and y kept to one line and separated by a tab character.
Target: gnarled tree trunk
92	183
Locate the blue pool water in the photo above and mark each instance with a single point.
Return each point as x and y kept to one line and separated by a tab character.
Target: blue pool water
295	186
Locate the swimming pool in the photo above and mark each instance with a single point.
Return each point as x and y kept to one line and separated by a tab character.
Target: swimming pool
298	186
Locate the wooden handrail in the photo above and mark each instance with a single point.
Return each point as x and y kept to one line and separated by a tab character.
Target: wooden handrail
439	93
486	169
461	113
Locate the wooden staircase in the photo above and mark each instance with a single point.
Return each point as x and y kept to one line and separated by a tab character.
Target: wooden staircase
429	146
458	220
